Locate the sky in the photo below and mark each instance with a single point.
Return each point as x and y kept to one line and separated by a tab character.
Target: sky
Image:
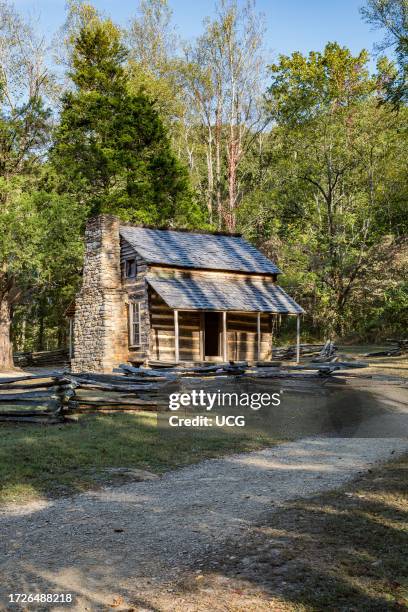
292	25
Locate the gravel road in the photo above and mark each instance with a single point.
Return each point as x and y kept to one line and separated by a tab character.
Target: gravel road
118	541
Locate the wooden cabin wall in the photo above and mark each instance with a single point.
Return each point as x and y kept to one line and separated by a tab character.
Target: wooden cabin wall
189	336
136	290
161	329
242	337
241	334
162	340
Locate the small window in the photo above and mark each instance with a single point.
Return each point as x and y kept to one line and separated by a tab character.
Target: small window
130	268
134	324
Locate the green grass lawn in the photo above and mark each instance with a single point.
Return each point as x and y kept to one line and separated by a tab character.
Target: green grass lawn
47	461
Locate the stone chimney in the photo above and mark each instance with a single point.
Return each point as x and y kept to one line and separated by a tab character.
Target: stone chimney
100	328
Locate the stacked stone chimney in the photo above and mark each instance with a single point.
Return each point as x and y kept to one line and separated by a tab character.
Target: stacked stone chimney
100	328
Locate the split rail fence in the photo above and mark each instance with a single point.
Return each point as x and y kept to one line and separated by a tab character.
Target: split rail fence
53	398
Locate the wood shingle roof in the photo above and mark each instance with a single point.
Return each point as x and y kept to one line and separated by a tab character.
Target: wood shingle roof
194	250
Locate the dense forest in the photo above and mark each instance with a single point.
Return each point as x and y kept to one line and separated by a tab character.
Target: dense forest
303	154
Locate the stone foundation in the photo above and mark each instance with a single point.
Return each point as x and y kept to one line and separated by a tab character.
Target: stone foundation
100	328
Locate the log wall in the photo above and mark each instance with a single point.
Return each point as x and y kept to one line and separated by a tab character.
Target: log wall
241	334
162	340
242	337
136	290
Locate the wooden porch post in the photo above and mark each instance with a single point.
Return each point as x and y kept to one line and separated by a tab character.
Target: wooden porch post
176	337
224	336
202	340
297	338
258	336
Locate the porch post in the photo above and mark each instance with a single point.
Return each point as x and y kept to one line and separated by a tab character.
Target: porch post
224	336
176	337
298	338
258	337
202	340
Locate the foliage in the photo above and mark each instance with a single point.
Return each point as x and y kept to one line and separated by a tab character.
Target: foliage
24	132
111	146
159	131
335	154
392	16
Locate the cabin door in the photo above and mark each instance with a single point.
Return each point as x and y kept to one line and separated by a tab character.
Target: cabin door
212	334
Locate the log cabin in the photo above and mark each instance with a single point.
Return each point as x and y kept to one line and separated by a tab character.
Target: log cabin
164	295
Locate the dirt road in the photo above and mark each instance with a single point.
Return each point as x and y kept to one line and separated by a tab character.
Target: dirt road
119	541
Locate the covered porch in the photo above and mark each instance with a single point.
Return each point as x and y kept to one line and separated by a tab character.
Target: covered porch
208	320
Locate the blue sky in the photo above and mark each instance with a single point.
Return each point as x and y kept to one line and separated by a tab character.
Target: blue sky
291	24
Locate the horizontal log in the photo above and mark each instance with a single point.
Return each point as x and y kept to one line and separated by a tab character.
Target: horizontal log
144	373
32	397
108	378
84	409
31	377
100	401
27	386
243	326
51	405
163	356
122	388
170	327
27	393
165	365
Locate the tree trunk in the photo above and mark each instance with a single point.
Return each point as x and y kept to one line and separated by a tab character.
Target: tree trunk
41	325
6	351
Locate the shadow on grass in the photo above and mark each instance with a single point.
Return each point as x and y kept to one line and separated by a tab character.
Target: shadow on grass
341	551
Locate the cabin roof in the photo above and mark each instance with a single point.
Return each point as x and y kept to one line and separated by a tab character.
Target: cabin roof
240	295
195	250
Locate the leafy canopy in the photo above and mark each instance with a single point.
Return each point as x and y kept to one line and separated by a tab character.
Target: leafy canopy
392	17
111	145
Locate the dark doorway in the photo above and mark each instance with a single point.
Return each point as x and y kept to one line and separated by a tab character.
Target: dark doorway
212	326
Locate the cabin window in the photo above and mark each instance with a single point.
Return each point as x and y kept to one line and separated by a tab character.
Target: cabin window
130	268
134	324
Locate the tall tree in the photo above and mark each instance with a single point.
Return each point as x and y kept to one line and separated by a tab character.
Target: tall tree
111	145
392	17
337	145
24	130
223	81
153	59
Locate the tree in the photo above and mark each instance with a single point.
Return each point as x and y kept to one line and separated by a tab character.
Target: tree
223	79
24	131
392	16
111	145
153	61
336	147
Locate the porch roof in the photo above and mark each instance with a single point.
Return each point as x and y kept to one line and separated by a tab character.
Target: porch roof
239	295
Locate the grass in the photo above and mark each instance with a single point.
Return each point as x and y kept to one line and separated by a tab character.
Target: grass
341	551
52	460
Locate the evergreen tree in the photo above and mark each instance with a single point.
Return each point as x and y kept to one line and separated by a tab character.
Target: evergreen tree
111	146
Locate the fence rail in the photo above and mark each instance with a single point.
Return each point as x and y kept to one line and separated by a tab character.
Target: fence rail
50	399
58	357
